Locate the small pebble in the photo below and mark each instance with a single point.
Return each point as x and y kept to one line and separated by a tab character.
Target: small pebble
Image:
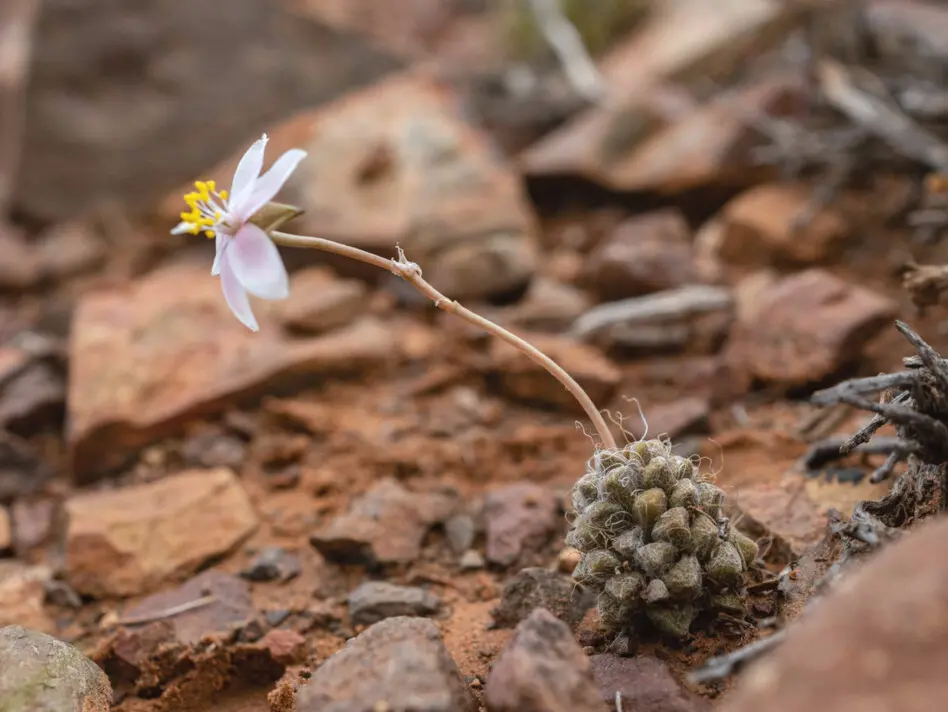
471	560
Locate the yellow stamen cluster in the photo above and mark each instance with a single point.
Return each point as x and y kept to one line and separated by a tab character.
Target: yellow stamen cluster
204	210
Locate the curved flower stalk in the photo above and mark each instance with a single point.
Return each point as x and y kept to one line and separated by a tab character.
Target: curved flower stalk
247	261
247	258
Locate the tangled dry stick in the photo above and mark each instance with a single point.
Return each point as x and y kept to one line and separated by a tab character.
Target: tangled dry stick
915	401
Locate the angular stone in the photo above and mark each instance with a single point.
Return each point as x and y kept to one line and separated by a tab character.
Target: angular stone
33	398
231	607
645	683
184	354
548	306
542	668
287	647
397	664
695	320
537	587
376	600
758	228
127	541
877	640
647	253
777	344
523	379
320	302
273	564
80	146
22	471
386	525
518	517
423	179
41	674
665	143
22	594
33	523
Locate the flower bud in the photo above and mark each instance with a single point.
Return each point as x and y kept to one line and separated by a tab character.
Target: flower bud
273	216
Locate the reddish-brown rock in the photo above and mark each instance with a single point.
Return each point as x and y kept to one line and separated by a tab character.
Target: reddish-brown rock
19	268
647	253
22	594
146	359
319	301
127	541
397	664
806	327
523	379
386	525
287	647
542	669
230	607
878	641
645	685
518	517
757	228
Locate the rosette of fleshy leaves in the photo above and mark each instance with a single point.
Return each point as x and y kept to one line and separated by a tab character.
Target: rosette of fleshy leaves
654	544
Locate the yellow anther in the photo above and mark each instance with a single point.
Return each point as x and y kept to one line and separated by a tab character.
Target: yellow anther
223	194
211	186
209	233
194	230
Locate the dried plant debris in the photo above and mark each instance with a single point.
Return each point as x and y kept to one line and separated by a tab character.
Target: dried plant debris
915	401
654	543
874	103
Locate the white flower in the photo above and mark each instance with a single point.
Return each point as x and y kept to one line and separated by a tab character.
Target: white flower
246	259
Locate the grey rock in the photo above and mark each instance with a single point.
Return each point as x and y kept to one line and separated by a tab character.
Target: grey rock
39	673
376	600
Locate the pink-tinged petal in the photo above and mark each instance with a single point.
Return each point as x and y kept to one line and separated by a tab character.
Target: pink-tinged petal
248	170
270	182
236	296
257	263
220	242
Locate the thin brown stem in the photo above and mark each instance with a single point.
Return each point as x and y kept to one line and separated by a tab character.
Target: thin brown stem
411	273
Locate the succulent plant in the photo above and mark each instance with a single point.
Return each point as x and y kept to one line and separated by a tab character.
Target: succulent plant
653	543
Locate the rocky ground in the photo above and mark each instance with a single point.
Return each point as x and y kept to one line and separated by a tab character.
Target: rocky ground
363	506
